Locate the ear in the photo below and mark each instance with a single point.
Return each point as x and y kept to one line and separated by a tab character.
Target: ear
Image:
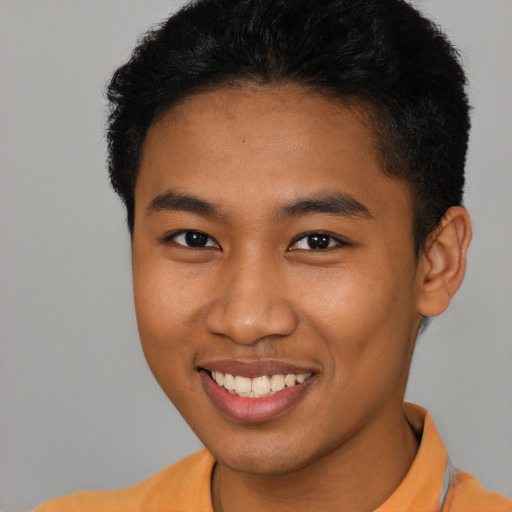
442	265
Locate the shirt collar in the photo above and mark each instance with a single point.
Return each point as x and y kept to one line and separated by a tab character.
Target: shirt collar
425	486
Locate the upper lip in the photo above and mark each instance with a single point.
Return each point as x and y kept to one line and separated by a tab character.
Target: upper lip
255	368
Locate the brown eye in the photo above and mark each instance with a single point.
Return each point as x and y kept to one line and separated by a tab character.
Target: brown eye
315	242
194	239
318	241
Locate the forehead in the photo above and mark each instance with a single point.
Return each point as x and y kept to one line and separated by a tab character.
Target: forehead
288	113
264	142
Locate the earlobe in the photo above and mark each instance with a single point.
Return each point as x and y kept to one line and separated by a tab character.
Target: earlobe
441	267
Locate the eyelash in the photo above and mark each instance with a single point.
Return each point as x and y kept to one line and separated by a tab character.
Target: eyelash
174	236
332	241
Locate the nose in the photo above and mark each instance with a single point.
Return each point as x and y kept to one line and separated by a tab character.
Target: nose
250	304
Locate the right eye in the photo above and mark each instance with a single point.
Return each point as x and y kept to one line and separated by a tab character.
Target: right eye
193	239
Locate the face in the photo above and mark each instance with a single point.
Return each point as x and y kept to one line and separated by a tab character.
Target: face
271	255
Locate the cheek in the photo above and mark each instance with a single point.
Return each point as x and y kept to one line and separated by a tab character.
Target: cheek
165	295
167	309
356	298
364	316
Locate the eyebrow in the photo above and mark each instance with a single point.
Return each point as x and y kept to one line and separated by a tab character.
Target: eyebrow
175	201
332	203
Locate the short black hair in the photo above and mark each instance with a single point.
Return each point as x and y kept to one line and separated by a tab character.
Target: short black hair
382	54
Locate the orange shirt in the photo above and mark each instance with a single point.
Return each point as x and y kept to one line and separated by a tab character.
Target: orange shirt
431	485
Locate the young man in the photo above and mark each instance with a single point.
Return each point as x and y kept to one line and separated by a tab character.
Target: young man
293	176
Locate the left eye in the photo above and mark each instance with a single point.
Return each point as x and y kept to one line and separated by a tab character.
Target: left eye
194	239
315	242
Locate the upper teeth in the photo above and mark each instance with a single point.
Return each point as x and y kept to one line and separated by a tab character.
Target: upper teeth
259	386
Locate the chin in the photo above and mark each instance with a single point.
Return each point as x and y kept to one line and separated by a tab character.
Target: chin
263	457
262	465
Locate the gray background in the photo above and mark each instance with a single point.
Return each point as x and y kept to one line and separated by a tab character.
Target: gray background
79	408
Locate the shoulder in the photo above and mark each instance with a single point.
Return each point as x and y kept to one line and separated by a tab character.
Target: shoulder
468	495
184	486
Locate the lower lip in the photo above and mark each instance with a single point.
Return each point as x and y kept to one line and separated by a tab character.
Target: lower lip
253	410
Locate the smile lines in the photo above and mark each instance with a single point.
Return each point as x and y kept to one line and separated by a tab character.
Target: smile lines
257	387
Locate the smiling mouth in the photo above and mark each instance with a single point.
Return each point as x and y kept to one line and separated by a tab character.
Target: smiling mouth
257	387
255	391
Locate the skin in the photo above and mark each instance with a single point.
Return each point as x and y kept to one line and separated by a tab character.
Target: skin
349	312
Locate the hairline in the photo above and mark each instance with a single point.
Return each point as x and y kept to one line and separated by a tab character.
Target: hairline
372	113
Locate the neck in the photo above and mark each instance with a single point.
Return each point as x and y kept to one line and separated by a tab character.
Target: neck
358	475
